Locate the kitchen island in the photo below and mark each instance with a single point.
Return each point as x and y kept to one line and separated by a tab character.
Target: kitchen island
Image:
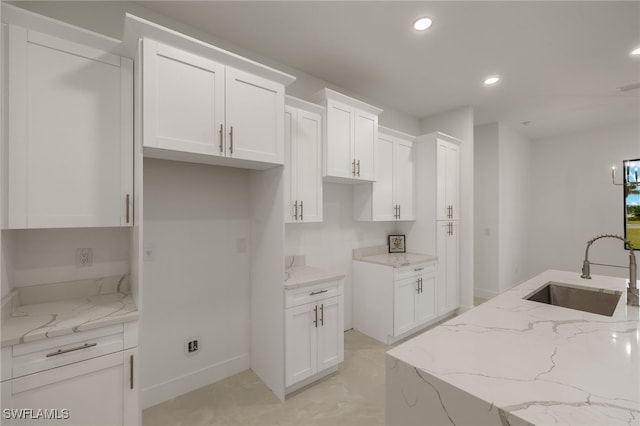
515	361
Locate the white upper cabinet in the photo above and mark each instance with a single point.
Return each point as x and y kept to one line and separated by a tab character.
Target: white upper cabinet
69	144
392	196
303	172
447	157
199	109
351	130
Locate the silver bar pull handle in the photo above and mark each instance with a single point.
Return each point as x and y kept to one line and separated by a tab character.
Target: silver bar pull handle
231	140
221	139
127	208
313	293
315	321
131	372
295	206
66	351
399	211
418	269
301	210
358	168
322	314
353	167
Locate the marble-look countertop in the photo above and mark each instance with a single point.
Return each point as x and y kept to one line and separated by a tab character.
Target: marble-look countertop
514	361
299	274
41	312
381	256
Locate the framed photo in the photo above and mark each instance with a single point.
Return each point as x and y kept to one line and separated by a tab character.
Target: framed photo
396	244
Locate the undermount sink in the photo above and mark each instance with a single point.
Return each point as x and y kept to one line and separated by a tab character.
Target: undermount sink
596	301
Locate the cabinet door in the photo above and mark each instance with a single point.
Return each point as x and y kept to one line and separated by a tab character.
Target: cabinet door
366	131
70	137
183	100
290	164
442	207
383	206
329	333
452	180
339	154
426	299
131	411
309	173
447	277
404	178
300	343
254	117
91	391
404	305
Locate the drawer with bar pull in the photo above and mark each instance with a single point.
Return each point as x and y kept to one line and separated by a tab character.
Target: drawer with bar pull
312	293
33	357
415	270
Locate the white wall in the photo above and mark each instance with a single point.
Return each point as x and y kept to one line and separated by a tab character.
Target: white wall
459	124
573	199
514	205
107	18
486	211
197	223
330	244
42	256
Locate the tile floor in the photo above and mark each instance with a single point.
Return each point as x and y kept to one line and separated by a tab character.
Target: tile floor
352	396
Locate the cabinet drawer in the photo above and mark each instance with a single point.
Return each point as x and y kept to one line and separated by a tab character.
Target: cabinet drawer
55	352
415	270
312	293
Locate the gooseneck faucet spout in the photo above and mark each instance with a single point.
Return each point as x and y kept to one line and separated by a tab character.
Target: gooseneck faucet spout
632	288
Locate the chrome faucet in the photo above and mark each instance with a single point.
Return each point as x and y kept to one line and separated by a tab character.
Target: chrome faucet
632	288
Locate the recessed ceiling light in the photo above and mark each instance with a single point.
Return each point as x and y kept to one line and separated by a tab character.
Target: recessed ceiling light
490	81
422	24
636	51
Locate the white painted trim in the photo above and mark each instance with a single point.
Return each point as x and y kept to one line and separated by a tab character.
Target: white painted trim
327	94
302	104
136	28
395	134
189	382
310	380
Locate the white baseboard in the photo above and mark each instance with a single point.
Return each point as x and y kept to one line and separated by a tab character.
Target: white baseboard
156	394
484	294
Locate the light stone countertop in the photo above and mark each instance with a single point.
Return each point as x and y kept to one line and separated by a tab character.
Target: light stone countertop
381	256
514	361
45	311
298	274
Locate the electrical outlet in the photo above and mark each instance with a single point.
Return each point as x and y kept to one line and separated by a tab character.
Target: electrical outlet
84	257
192	346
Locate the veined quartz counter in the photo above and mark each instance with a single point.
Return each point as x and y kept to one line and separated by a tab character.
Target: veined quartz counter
44	311
298	274
514	361
381	256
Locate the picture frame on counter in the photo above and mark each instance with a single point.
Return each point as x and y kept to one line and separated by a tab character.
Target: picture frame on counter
397	244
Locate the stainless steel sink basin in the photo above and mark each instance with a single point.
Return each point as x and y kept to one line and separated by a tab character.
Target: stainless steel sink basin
602	302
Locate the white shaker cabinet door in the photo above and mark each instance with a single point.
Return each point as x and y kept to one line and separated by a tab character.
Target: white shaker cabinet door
309	173
404	306
447	250
383	207
329	332
301	343
92	391
339	160
366	131
404	179
183	100
254	117
70	137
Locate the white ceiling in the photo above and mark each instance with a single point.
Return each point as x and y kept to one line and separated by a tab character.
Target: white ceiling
561	62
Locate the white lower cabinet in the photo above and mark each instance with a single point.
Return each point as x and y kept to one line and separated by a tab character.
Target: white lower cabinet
391	302
82	379
314	331
448	282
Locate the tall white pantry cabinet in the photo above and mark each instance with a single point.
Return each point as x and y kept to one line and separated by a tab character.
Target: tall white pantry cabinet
438	176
